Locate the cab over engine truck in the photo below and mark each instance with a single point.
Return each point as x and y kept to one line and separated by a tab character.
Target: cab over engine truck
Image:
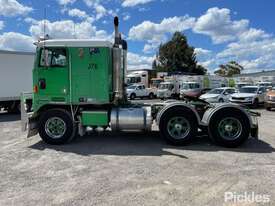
79	85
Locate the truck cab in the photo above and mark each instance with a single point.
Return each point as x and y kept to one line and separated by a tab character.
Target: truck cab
167	90
189	87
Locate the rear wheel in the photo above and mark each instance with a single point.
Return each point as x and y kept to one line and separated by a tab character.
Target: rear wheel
229	128
178	126
255	103
268	108
133	96
56	127
151	96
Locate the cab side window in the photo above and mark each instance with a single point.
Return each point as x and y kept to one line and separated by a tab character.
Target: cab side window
53	57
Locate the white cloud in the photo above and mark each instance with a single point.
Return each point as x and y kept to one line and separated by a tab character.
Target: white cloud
2	25
208	64
136	61
155	33
217	24
126	17
253	34
13	8
77	13
67	29
202	52
16	42
99	9
65	2
132	3
148	30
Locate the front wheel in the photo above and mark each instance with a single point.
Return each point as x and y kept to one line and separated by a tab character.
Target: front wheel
178	126
56	127
151	96
229	128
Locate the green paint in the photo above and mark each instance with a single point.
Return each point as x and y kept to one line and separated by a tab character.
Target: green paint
94	118
83	77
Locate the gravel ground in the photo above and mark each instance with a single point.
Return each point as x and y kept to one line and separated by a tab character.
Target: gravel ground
133	169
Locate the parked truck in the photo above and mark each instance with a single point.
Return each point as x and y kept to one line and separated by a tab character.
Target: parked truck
15	77
79	85
137	77
169	88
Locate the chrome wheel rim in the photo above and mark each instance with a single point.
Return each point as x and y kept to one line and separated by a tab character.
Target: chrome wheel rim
230	128
55	127
178	127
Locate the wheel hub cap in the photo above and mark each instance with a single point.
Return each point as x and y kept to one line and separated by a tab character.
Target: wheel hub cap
230	128
55	127
178	127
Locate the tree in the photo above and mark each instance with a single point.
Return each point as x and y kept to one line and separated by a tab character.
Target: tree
229	69
177	56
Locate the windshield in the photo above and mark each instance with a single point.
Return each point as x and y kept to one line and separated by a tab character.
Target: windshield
186	86
133	80
156	82
131	87
251	90
215	91
164	86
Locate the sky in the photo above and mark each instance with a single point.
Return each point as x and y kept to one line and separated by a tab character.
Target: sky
219	30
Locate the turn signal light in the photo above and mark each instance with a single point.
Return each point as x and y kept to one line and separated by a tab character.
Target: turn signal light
35	89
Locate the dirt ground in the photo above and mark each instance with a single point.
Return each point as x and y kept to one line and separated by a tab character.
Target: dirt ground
133	169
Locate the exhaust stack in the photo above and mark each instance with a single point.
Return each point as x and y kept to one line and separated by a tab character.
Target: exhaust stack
117	35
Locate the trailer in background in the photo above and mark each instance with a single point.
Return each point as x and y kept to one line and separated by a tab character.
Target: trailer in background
15	77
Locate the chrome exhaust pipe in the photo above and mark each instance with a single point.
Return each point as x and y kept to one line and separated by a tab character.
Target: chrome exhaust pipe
117	35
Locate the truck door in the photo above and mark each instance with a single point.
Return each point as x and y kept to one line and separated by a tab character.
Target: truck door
52	78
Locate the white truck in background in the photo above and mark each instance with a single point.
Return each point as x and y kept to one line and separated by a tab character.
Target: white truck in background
15	78
138	77
170	88
194	84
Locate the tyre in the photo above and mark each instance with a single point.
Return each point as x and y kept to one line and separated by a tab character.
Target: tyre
229	128
151	96
178	126
133	96
56	127
255	103
268	108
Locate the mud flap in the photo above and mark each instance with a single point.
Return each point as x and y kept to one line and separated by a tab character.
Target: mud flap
27	122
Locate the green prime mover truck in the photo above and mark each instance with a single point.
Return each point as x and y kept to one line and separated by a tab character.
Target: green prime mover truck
79	85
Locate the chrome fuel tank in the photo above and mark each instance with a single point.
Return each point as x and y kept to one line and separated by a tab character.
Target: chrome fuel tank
131	119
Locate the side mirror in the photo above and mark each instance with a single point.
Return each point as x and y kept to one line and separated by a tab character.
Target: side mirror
260	92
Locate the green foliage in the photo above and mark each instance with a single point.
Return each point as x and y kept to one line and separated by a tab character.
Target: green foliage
230	69
177	56
231	83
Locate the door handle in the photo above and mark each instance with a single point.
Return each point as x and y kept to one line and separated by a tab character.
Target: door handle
42	83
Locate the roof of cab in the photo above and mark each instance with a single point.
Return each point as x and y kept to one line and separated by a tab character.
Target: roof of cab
74	43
